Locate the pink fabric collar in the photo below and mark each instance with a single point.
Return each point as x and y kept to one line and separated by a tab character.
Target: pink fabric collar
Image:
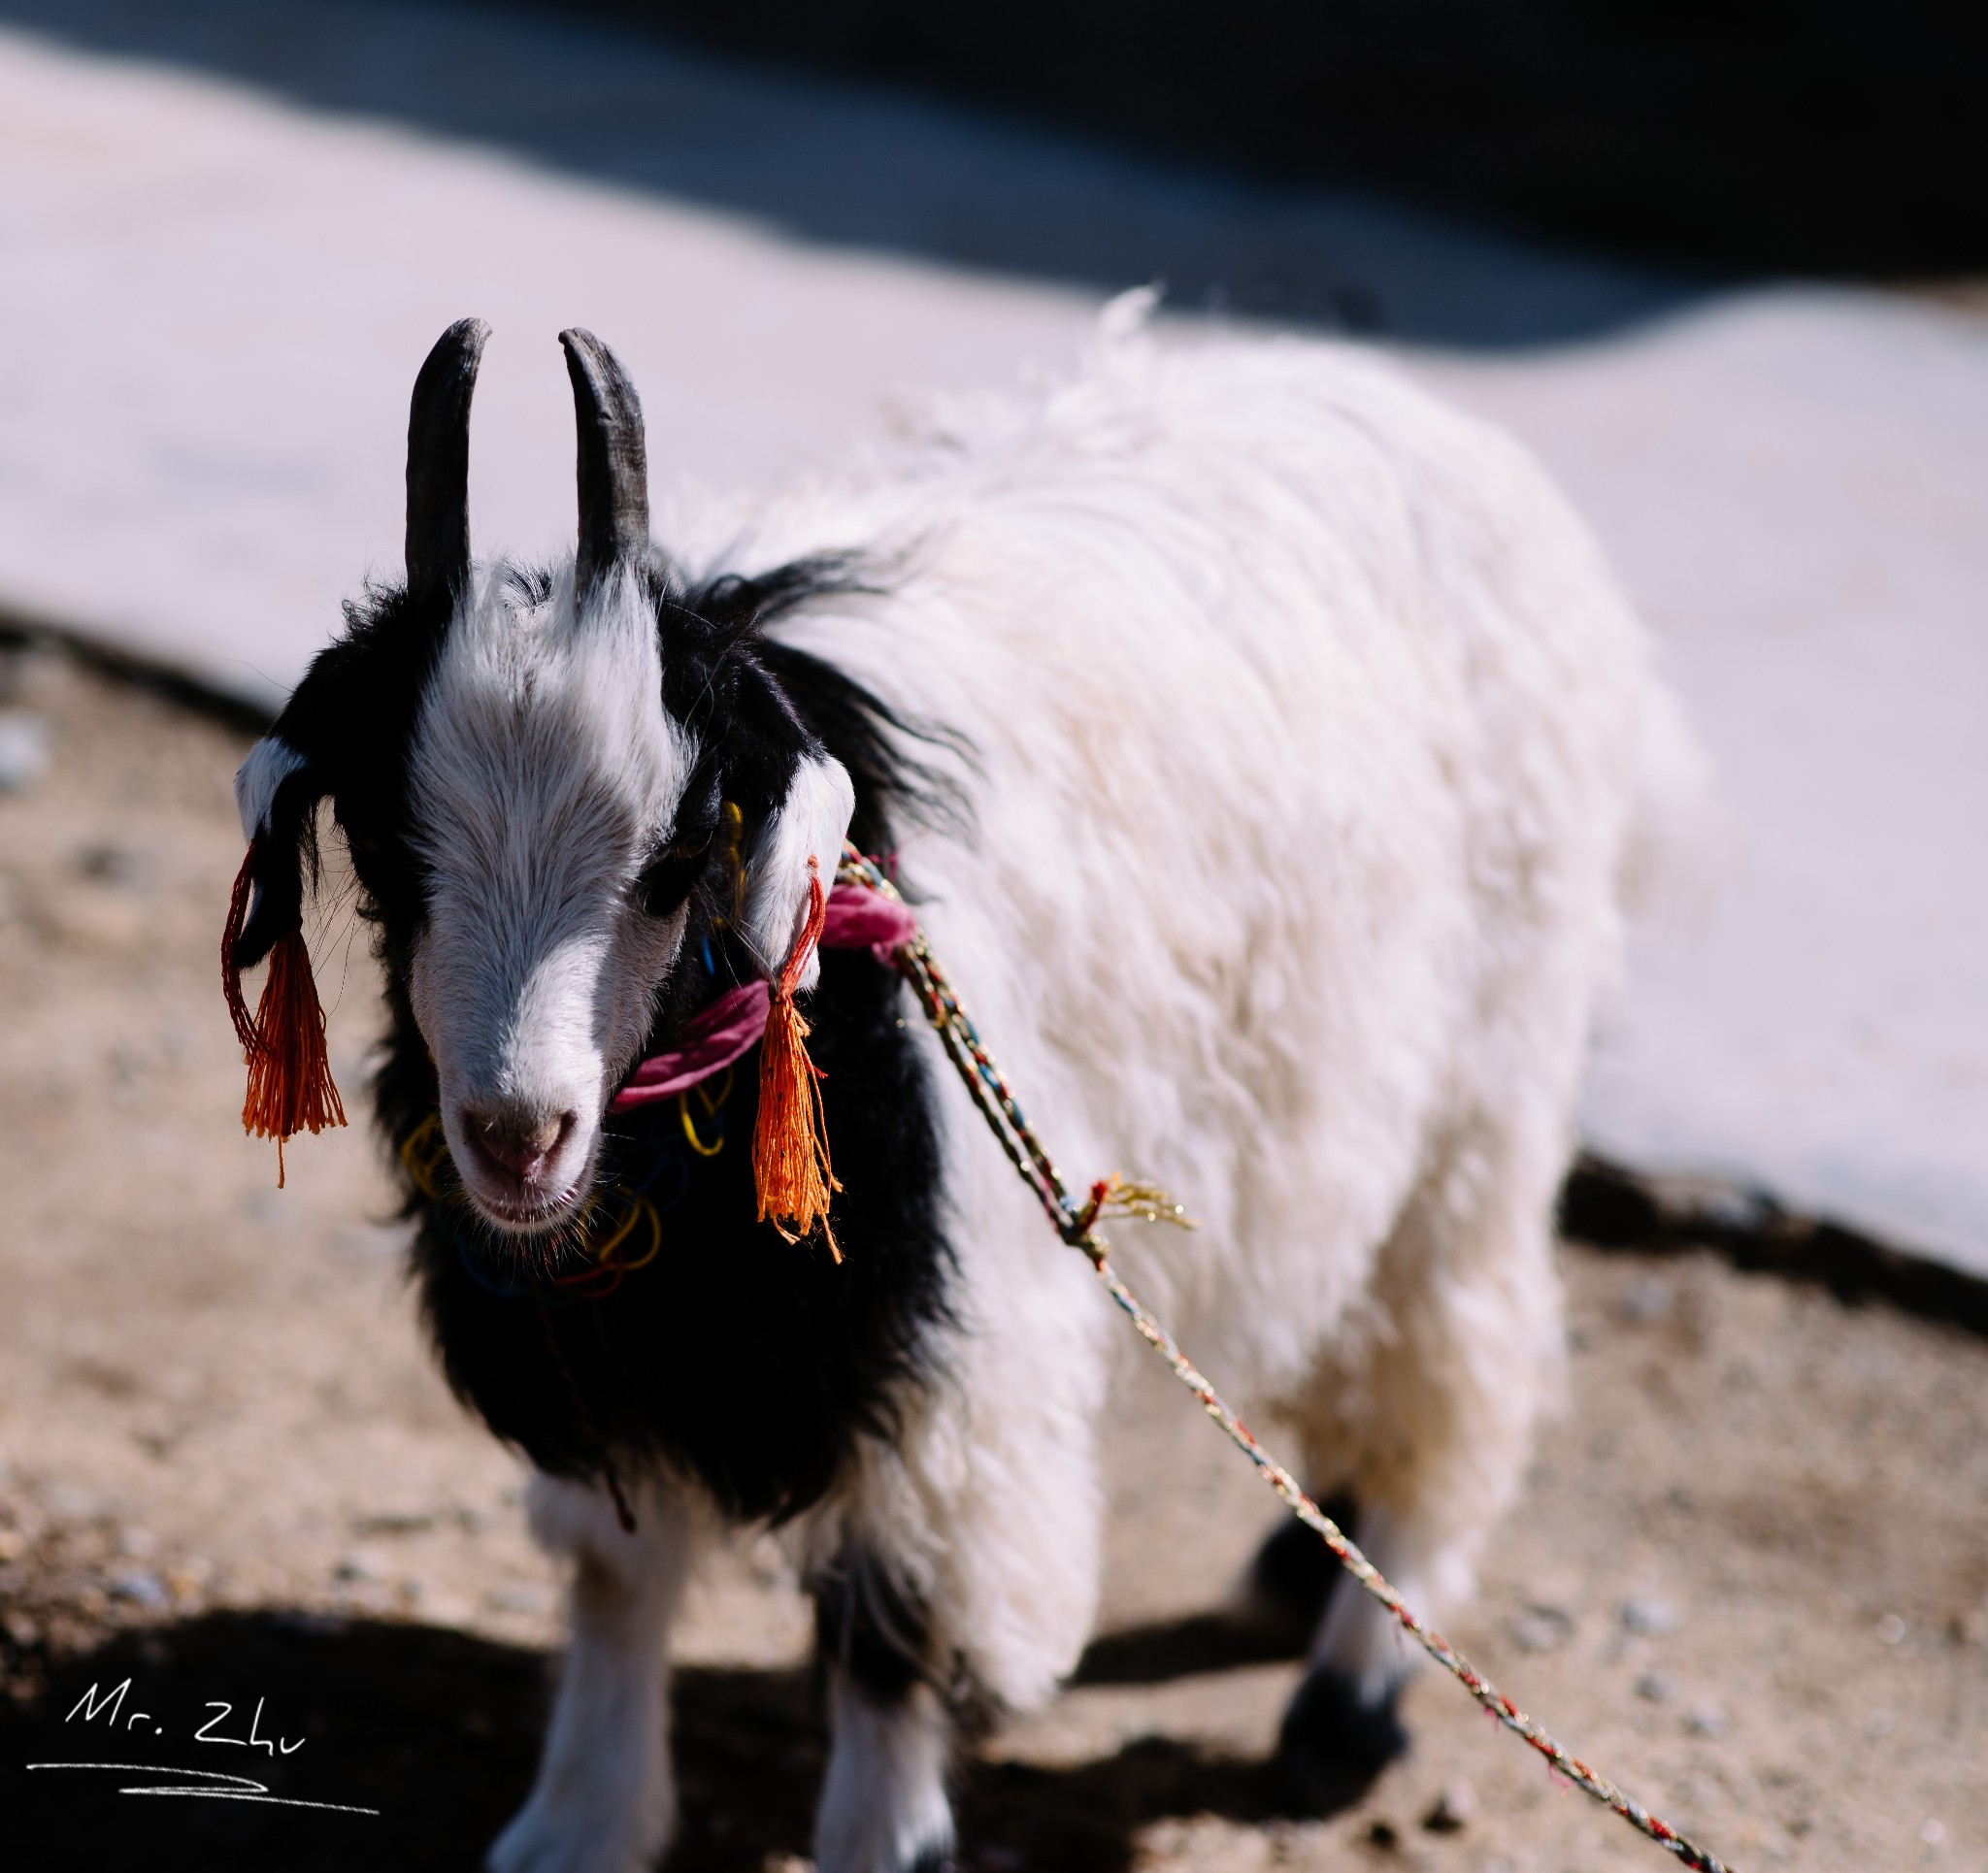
731	1027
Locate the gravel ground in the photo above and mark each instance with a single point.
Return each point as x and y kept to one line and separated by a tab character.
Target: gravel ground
1747	1580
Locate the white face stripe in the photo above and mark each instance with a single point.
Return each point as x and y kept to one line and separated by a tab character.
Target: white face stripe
545	770
269	764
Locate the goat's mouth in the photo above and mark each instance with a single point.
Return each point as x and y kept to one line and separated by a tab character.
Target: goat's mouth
536	1204
529	1212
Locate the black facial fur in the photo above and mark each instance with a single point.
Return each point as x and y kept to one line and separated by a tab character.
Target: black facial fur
352	721
746	1361
734	1357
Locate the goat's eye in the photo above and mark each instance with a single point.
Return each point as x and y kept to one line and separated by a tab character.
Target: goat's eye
665	882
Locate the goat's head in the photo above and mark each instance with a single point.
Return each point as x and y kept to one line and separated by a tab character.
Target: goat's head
541	777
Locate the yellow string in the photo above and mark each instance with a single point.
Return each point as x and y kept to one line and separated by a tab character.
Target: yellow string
603	1250
644	1208
424	1151
712	1102
419	1161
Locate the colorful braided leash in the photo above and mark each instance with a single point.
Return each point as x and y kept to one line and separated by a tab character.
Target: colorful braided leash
1077	1224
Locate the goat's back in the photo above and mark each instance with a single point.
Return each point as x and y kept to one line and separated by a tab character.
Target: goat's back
1308	732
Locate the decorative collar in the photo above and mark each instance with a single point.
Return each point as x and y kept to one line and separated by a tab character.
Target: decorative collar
727	1031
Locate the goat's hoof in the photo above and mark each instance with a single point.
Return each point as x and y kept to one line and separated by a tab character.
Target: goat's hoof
938	1856
541	1840
1333	1747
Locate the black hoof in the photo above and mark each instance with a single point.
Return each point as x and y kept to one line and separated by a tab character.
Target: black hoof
1292	1578
1333	1748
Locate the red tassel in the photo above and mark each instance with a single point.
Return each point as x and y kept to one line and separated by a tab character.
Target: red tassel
790	1136
291	1087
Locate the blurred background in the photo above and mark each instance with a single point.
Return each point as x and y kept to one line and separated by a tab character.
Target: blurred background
1725	267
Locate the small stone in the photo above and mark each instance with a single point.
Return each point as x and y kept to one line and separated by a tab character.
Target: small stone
12	1544
25	742
1932	1833
1648	1619
319	1625
522	1597
141	1587
440	1604
1541	1629
1653	1688
23	1629
1453	1808
1651	1299
1707	1720
368	1597
1385	1835
1891	1630
137	1544
397	1522
70	1504
105	864
362	1563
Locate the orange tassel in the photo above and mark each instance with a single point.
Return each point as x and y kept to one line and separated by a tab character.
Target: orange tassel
291	1088
790	1135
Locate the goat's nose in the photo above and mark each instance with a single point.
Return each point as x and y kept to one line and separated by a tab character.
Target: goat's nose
521	1141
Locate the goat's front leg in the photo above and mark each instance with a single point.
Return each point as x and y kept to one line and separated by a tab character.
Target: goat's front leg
604	1800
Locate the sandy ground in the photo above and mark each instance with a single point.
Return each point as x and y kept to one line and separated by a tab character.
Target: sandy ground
1748	1577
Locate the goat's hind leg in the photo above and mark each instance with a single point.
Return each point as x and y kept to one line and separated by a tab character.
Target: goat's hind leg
883	1804
604	1801
1430	1423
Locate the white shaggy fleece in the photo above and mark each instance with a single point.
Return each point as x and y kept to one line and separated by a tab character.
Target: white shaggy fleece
1314	747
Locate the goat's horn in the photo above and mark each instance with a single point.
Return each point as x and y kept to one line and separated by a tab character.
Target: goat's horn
614	462
438	549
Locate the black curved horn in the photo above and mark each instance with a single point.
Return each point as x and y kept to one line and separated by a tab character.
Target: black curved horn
614	461
438	546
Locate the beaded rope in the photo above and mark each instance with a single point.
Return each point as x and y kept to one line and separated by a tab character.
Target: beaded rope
1076	1223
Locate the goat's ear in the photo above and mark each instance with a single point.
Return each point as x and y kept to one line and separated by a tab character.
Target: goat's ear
809	823
276	796
291	1087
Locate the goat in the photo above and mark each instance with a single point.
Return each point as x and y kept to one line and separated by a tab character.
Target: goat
1267	754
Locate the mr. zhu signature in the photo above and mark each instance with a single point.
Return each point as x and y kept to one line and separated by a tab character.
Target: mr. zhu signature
212	1784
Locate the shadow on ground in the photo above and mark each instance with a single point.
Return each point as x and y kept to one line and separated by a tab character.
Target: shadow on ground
857	166
438	1732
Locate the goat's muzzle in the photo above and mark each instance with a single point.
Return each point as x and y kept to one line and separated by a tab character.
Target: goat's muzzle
516	1154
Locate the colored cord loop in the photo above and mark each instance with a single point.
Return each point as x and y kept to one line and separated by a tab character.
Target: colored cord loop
619	1231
